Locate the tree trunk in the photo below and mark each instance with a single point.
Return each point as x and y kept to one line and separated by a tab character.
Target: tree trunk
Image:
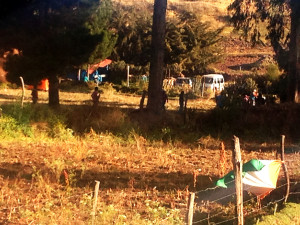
53	91
157	61
297	64
294	57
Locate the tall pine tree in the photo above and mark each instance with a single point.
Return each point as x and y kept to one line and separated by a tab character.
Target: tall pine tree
190	44
155	99
54	37
282	20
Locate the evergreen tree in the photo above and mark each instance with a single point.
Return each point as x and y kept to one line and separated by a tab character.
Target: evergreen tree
282	20
190	44
134	27
54	37
155	93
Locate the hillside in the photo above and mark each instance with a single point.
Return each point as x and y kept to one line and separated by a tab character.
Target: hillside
240	57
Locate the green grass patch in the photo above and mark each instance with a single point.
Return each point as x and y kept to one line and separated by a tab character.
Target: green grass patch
290	214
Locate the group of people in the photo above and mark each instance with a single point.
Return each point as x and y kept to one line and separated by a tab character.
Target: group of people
254	99
96	97
96	76
165	99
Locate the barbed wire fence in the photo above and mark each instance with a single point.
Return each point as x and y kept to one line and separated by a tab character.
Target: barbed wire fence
238	193
207	220
249	213
211	214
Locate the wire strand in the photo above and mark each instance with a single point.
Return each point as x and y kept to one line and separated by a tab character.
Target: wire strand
249	213
213	188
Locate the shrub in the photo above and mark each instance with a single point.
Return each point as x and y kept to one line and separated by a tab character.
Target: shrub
273	72
17	121
75	86
9	127
4	85
235	92
107	89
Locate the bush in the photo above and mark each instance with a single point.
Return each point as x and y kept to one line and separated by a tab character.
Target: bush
76	86
236	91
9	128
273	72
27	121
4	85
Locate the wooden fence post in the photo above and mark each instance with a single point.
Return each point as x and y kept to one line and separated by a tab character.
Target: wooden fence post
23	91
286	174
237	165
190	212
128	75
95	201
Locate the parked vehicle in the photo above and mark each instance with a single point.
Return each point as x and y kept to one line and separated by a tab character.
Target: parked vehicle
181	81
213	82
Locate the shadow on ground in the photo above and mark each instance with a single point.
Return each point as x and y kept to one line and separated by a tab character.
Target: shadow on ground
115	179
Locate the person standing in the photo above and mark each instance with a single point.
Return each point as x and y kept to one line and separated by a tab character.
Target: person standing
86	78
95	96
181	101
253	97
164	99
143	99
34	94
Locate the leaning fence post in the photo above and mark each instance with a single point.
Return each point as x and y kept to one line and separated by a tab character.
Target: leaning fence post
190	212
286	174
237	165
23	91
95	201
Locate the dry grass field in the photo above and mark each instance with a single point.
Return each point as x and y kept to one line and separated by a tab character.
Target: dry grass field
50	159
50	180
109	98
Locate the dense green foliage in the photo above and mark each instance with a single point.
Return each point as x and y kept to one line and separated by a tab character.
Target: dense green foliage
54	38
17	122
253	17
191	45
278	21
133	25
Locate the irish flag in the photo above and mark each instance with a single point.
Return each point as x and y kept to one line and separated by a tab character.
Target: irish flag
259	176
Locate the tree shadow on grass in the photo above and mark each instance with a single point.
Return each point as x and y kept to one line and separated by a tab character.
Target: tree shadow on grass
248	66
116	179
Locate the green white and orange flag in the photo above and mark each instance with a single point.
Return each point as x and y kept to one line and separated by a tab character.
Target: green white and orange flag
259	176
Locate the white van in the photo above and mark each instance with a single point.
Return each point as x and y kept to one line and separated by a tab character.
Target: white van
213	82
181	81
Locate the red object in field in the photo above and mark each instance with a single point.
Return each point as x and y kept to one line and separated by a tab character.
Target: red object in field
43	85
101	64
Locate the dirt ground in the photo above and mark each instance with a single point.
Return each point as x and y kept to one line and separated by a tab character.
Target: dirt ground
127	180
